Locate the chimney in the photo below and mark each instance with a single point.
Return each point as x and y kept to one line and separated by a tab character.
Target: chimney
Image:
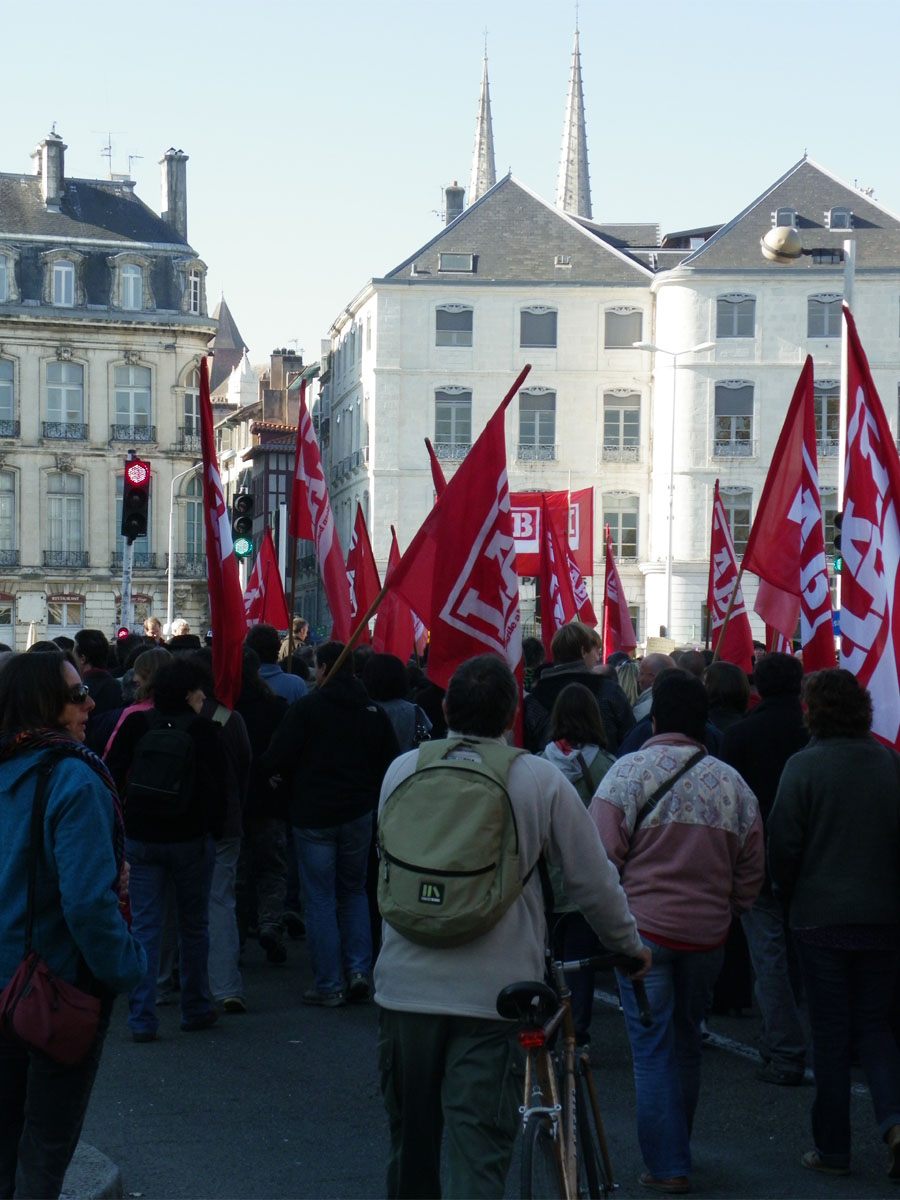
49	166
454	201
174	190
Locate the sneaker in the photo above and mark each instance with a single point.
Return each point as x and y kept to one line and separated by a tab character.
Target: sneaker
813	1161
325	999
783	1076
199	1023
295	925
678	1185
143	1035
359	991
276	951
234	1004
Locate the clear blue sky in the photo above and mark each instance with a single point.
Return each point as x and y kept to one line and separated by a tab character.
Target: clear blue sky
321	134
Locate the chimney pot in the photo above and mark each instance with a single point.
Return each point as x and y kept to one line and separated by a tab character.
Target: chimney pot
174	190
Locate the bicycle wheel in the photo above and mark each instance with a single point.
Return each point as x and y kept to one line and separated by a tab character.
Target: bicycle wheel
541	1177
593	1180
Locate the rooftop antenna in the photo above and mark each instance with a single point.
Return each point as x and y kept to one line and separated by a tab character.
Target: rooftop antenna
132	158
107	150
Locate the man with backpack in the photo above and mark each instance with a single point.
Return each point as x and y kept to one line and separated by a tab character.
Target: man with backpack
462	825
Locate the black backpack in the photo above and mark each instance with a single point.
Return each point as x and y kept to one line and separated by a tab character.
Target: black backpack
163	770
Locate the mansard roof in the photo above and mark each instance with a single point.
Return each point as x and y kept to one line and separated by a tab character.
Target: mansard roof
93	209
812	192
516	237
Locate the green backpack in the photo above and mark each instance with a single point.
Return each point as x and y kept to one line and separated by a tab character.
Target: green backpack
449	845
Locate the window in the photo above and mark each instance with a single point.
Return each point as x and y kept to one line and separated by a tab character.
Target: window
621	426
452	326
132	386
193	519
132	287
839	218
7	518
620	512
7	394
537	425
823	316
828	500
623	328
65	513
195	292
452	422
734	419
737	503
456	262
537	328
65	615
785	216
63	283
736	316
827	402
635	613
65	400
4	278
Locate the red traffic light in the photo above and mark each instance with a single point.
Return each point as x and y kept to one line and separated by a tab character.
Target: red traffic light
135	499
137	473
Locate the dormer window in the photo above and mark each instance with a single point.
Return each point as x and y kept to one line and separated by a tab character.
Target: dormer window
785	216
130	282
194	284
456	262
132	286
839	218
192	281
9	292
63	284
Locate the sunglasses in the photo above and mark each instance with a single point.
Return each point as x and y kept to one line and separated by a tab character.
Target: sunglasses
78	695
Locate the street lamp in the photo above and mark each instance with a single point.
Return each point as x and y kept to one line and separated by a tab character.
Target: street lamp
674	355
170	573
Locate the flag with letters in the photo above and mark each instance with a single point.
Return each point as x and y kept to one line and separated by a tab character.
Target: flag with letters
618	631
264	601
731	640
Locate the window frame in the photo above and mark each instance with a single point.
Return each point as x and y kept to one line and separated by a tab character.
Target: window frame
621	444
615	506
828	305
65	386
537	443
454	337
827	410
66	529
729	306
533	316
734	499
458	418
63	283
132	390
733	431
132	287
620	312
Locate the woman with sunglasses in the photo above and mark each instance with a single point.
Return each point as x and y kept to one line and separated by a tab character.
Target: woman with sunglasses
79	907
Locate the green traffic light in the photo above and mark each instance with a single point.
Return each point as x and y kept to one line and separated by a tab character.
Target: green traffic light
243	547
838	564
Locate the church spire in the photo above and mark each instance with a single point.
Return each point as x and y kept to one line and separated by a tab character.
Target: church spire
484	173
573	188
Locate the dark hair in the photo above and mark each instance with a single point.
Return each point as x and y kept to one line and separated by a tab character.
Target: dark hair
616	659
172	683
693	662
327	654
837	705
576	717
33	692
778	675
385	677
482	697
125	647
253	686
533	652
147	665
64	643
361	655
680	704
92	645
571	642
265	641
727	687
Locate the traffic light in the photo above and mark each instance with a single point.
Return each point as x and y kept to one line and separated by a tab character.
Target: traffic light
135	499
838	557
242	524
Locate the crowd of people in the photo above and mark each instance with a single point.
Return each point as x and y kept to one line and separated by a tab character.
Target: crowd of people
688	816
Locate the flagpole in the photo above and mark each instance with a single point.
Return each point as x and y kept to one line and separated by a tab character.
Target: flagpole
354	637
293	595
737	586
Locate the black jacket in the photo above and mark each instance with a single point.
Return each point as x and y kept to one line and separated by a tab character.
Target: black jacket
615	710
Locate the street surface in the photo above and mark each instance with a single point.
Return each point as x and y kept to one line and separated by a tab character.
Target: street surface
284	1102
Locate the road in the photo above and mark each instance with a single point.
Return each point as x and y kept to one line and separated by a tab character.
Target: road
284	1102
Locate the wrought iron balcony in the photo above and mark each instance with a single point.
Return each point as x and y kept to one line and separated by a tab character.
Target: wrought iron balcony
452	451
189	441
66	431
528	452
9	429
190	566
132	433
66	558
622	454
827	447
9	558
144	560
734	449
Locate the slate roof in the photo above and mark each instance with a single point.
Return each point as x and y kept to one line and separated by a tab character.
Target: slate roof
812	191
515	236
89	209
227	346
624	233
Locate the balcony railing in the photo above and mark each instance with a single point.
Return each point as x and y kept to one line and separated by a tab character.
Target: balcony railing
190	566
9	558
66	431
9	429
528	452
827	448
144	560
733	449
66	558
132	433
621	454
452	451
188	441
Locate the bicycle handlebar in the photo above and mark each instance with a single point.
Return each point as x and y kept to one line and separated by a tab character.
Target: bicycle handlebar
600	962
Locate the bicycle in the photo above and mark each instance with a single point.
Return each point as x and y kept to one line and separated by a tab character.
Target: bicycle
564	1149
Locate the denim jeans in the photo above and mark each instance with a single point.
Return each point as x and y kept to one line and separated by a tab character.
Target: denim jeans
332	864
189	865
783	1040
667	1055
849	994
224	947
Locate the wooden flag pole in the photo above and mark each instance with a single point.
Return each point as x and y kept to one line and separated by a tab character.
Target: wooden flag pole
737	584
293	594
354	637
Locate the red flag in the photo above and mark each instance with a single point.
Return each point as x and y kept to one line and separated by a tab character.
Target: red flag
362	574
564	518
777	643
870	544
264	598
394	625
558	603
574	514
786	547
311	518
226	605
437	471
618	631
459	572
736	643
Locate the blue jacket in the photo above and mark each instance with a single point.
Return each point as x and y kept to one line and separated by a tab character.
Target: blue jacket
76	900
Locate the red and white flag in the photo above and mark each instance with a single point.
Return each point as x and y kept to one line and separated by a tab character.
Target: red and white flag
264	600
558	603
226	603
437	471
311	518
777	643
394	625
733	642
870	546
786	547
618	631
574	516
459	572
362	574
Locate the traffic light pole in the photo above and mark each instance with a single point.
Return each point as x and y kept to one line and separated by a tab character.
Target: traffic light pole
127	614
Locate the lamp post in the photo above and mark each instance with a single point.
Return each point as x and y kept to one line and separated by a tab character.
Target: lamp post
674	355
170	573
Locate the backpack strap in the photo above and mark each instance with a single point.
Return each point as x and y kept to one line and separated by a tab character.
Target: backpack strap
585	773
666	786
